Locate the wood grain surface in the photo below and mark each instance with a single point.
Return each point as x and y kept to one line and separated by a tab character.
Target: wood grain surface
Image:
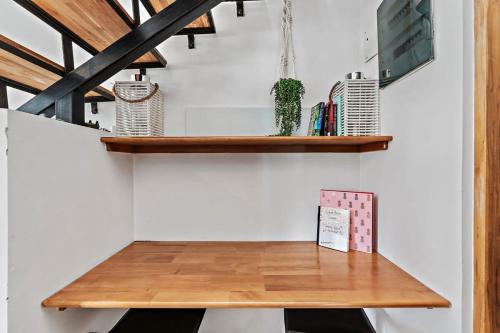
487	168
247	144
94	21
19	70
201	22
243	275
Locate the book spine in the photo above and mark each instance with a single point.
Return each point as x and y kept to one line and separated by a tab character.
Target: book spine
334	120
311	121
321	118
338	102
316	119
331	118
317	230
325	120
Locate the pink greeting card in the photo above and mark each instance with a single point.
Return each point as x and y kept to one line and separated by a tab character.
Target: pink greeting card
362	208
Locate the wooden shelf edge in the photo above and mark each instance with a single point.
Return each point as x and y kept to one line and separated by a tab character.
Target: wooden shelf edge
438	304
246	144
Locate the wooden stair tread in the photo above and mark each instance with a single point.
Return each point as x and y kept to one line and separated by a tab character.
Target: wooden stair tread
247	144
204	24
99	23
244	275
15	68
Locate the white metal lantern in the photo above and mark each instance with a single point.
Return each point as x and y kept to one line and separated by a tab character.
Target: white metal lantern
359	107
139	109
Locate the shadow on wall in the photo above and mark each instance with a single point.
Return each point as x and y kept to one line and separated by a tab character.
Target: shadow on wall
80	320
386	323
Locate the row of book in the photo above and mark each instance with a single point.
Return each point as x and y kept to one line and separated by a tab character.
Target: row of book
326	119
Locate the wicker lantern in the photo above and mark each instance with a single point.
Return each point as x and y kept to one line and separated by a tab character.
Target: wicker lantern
139	110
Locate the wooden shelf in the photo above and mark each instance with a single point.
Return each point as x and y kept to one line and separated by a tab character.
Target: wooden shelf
247	144
244	275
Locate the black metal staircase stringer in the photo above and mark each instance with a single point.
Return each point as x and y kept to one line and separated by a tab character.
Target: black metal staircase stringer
120	54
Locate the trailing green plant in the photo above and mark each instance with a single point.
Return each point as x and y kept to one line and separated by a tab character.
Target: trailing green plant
288	94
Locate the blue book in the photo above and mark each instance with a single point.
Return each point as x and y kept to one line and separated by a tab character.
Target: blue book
340	114
318	128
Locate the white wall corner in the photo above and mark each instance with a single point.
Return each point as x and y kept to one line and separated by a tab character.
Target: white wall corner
3	221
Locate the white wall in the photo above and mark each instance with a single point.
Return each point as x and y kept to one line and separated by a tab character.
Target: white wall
468	169
255	196
235	70
3	221
423	180
70	207
238	66
419	179
24	28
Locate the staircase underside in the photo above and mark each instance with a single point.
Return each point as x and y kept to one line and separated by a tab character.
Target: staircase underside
202	25
66	95
28	71
93	25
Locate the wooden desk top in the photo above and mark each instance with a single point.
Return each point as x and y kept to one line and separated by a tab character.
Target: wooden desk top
244	275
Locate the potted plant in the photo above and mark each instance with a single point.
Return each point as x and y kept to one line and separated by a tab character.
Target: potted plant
288	94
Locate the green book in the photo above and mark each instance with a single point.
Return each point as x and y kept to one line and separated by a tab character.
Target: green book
314	119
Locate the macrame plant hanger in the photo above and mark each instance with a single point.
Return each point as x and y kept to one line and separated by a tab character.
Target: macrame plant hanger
287	54
288	91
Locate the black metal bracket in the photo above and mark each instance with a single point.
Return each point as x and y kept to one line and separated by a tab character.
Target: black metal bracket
137	13
94	108
160	321
191	43
240	8
327	320
142	72
4	100
71	108
67	46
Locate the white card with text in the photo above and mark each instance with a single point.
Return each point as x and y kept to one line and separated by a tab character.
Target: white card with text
333	228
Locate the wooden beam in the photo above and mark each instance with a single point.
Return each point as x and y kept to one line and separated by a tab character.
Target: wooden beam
123	52
487	168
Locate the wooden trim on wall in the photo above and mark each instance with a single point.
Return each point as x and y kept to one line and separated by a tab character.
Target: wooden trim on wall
487	167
